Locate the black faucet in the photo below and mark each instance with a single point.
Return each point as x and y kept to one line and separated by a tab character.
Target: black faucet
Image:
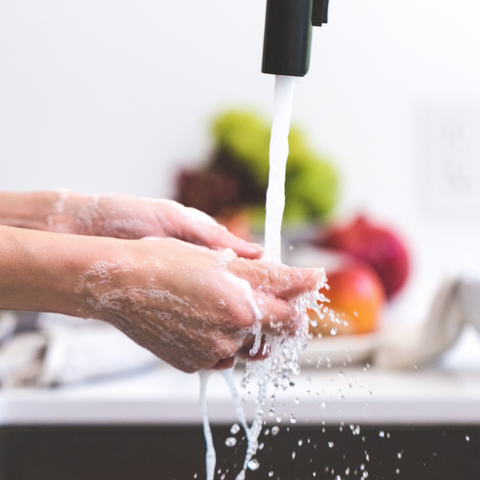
288	34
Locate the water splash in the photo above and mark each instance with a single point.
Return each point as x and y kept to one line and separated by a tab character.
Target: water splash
279	368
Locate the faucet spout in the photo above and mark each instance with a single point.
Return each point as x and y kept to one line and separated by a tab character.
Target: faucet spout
319	12
288	34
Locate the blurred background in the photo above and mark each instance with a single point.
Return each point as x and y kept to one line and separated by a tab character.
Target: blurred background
119	96
167	99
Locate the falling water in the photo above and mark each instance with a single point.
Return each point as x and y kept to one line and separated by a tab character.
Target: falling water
282	109
282	362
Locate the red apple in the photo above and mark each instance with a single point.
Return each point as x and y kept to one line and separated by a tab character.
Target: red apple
356	296
375	244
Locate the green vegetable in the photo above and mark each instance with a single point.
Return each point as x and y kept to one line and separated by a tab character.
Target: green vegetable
311	180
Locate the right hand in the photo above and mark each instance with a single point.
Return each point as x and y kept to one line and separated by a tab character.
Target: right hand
193	307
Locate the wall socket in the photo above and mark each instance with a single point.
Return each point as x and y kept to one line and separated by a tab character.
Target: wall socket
449	137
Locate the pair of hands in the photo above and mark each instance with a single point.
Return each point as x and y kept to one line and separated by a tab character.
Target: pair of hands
192	292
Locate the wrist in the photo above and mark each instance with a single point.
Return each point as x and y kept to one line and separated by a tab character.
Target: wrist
47	211
40	270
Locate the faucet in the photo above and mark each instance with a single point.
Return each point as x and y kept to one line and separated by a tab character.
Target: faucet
288	33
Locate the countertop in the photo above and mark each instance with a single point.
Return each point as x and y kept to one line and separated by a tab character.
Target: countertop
448	393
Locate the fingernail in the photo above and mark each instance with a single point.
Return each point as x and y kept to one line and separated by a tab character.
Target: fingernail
310	274
254	246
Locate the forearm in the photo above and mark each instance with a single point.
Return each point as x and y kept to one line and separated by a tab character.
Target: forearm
26	210
39	270
47	210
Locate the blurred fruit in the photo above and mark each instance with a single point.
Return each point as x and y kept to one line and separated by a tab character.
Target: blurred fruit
208	191
377	245
242	140
356	296
237	222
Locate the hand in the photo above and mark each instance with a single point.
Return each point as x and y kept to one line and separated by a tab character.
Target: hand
191	306
128	217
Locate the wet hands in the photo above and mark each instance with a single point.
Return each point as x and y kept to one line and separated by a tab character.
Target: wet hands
191	306
128	217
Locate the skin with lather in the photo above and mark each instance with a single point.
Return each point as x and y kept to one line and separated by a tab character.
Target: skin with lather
168	276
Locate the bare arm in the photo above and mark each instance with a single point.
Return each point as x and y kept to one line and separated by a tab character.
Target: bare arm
191	306
118	216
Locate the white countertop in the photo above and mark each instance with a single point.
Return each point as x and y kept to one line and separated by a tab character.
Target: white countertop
166	396
447	394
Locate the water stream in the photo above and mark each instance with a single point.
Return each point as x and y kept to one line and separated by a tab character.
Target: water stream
282	363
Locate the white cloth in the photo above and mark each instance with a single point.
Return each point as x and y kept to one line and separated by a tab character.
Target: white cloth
67	350
456	304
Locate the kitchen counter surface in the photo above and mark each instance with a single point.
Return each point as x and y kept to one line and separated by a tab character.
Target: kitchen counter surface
165	396
446	394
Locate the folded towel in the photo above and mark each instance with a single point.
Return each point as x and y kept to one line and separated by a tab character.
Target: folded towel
66	350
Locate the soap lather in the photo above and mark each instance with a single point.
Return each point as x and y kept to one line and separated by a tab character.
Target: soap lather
288	34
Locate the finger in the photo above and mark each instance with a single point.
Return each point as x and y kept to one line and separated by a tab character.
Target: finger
262	354
224	364
218	237
278	315
277	280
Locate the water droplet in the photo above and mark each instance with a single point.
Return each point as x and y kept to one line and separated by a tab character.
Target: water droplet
341	374
467	438
279	418
355	313
330	444
297	401
267	432
314	474
293	419
338	477
223	476
365	474
270	474
399	454
362	467
347	471
275	430
221	303
333	331
235	429
253	464
290	247
323	405
293	455
397	471
196	475
261	446
381	433
230	441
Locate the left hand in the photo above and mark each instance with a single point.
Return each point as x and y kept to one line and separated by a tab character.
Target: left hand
129	217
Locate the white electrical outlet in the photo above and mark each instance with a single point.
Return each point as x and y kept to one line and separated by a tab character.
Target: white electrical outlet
450	154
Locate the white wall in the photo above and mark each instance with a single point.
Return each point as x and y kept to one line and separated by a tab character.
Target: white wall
107	95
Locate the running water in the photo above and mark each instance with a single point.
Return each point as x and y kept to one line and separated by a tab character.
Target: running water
282	110
282	363
211	457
